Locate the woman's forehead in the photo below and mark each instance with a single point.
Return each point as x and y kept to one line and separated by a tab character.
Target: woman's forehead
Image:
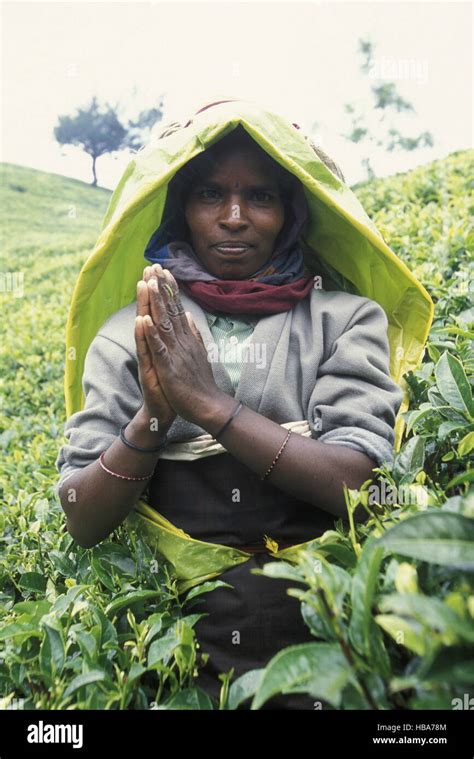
245	165
239	167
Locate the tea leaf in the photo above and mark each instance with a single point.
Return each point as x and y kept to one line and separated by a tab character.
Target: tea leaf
435	537
319	669
94	676
454	385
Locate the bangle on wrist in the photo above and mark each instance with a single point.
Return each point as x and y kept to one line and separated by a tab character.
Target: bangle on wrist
137	447
236	411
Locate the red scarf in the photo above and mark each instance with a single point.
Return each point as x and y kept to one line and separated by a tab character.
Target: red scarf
234	296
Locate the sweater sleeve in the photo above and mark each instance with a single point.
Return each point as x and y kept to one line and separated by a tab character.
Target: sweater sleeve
112	397
355	401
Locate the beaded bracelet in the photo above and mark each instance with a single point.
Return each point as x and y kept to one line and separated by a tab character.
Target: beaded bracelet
122	476
276	457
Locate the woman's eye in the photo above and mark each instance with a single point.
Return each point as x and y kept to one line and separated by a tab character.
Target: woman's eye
208	193
262	197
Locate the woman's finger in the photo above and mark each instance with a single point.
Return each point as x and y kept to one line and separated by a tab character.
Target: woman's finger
167	287
143	306
157	308
159	314
157	347
178	314
143	352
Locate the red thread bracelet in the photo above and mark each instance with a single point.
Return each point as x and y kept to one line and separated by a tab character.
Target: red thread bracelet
121	476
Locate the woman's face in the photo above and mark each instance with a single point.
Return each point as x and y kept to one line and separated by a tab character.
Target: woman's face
234	213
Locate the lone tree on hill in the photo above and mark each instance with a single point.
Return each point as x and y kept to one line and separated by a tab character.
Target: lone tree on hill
94	130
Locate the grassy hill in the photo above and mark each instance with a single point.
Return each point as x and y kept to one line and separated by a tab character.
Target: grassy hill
49	225
58	213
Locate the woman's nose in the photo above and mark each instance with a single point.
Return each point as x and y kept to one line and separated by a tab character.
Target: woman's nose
234	224
233	216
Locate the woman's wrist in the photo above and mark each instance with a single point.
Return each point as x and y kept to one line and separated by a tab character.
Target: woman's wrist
146	430
216	412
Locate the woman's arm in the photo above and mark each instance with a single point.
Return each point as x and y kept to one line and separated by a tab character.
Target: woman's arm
95	502
307	469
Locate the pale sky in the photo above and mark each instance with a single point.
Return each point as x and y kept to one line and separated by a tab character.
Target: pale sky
299	59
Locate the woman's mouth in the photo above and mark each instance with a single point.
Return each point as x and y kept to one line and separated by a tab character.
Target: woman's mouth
235	248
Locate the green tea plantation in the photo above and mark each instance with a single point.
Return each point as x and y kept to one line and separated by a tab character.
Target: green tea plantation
390	601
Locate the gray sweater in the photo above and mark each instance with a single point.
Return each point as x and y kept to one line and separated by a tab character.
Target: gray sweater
325	361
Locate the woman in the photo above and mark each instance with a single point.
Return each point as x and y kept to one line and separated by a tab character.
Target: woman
212	437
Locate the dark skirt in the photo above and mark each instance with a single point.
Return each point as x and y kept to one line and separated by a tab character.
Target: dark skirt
248	625
251	622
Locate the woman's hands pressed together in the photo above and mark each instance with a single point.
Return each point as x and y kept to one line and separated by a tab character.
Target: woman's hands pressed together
175	374
177	378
